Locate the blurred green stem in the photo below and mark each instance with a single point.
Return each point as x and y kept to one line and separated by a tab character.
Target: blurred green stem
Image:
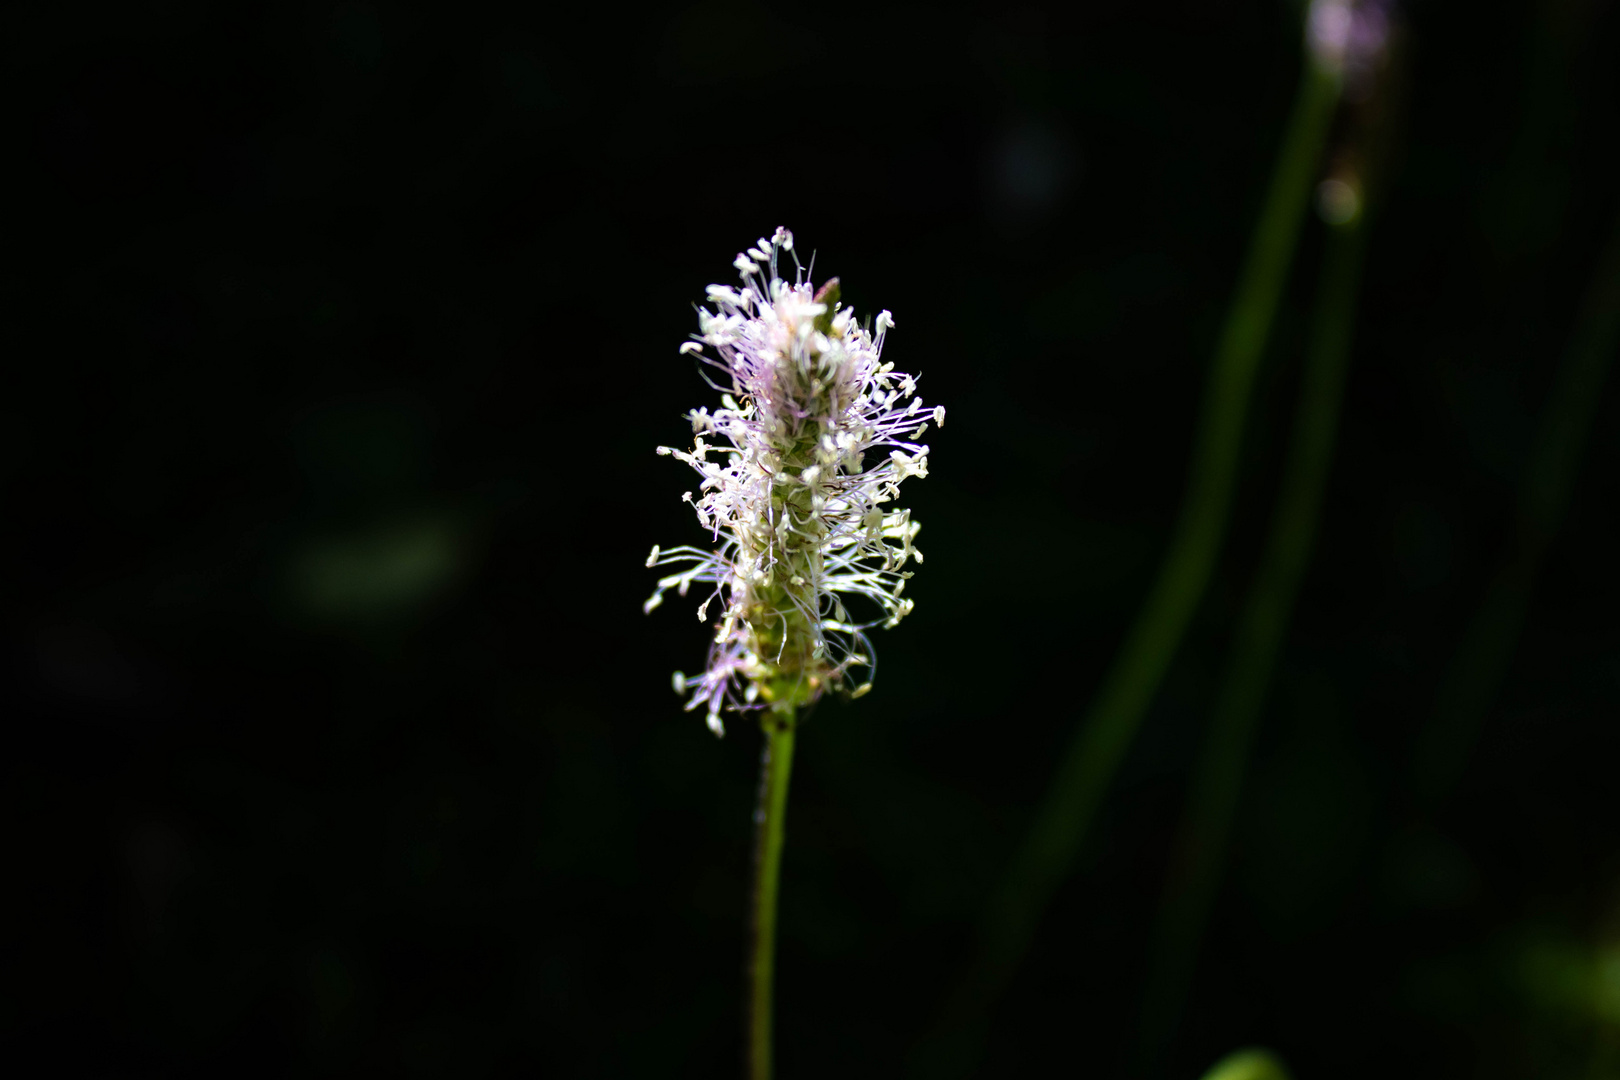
1475	674
1100	741
1262	627
776	764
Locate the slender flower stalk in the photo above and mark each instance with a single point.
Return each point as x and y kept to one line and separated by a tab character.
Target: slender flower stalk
1087	766
815	434
776	765
1352	38
1100	741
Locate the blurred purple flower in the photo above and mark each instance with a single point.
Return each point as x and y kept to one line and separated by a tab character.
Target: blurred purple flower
1348	37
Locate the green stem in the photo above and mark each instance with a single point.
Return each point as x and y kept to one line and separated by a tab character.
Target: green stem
776	763
1100	741
1261	630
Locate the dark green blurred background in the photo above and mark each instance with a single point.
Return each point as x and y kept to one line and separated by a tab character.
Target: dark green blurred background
341	338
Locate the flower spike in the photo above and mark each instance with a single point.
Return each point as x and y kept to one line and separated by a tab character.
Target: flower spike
814	436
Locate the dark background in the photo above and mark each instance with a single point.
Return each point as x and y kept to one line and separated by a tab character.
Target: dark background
340	339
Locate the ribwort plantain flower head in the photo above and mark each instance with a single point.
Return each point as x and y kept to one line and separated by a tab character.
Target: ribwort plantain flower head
813	438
